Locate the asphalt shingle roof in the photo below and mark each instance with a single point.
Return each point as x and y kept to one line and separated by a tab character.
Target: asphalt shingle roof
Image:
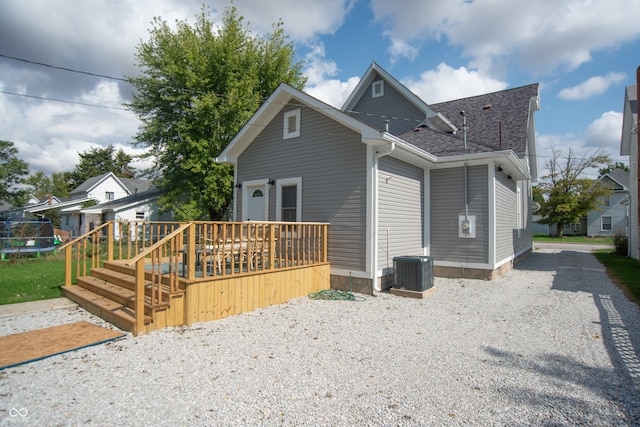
495	121
620	175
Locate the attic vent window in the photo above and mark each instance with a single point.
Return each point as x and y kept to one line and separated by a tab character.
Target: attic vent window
377	89
291	124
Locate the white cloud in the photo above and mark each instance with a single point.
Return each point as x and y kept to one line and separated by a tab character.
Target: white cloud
320	83
49	134
605	132
592	87
303	19
446	83
400	49
602	134
542	35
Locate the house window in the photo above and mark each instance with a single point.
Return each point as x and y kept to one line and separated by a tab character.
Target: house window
289	200
289	203
109	196
291	124
139	214
572	227
377	89
606	223
607	200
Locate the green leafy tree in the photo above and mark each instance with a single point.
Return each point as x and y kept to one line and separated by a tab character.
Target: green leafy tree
611	167
13	172
60	185
199	85
568	195
40	183
98	161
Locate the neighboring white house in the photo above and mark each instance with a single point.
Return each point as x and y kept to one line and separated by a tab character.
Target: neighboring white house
77	219
33	208
140	207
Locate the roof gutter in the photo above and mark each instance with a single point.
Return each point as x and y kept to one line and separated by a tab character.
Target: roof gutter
508	155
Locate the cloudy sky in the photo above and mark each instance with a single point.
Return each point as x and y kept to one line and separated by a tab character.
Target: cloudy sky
582	52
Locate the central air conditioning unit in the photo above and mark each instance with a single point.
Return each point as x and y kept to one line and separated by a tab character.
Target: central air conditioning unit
413	273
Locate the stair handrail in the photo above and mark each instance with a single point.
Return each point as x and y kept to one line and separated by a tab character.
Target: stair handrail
68	249
158	244
84	236
138	261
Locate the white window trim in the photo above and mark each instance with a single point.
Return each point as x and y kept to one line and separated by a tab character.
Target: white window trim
286	134
253	184
602	223
283	183
379	83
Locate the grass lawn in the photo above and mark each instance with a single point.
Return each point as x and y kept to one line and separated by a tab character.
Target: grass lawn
573	239
31	279
624	271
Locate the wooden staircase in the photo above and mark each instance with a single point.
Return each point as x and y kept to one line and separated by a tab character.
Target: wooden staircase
110	294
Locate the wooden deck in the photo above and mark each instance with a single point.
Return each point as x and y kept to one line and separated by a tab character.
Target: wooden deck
193	272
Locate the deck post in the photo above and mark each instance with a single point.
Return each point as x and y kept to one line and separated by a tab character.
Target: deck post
138	328
110	238
68	254
191	251
325	234
272	246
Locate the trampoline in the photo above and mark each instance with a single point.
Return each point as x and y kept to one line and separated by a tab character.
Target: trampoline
26	235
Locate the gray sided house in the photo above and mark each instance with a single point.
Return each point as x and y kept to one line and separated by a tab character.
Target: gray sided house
613	219
394	176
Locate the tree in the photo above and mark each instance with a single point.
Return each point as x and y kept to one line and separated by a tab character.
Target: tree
98	161
568	195
198	87
41	185
611	167
12	174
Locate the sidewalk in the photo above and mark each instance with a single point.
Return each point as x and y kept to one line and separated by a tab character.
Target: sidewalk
35	306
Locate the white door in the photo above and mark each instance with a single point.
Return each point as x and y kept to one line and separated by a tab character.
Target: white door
256	208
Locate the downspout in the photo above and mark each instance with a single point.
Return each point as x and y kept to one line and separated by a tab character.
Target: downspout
466	180
466	191
374	245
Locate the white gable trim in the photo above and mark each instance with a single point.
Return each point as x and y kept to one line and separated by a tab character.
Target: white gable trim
368	77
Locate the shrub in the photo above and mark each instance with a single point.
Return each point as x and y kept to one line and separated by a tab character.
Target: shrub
621	243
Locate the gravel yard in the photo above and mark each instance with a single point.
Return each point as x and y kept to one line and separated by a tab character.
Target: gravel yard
552	343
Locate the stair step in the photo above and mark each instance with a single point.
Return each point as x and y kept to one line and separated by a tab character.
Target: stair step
111	311
119	294
123	275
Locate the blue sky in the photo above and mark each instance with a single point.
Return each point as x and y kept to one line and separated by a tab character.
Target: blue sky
583	53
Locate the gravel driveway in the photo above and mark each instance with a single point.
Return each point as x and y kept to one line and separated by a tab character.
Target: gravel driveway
553	343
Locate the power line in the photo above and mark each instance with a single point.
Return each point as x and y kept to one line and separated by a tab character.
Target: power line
63	68
63	100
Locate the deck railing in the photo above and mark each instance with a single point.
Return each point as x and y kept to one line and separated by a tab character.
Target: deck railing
165	254
111	241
